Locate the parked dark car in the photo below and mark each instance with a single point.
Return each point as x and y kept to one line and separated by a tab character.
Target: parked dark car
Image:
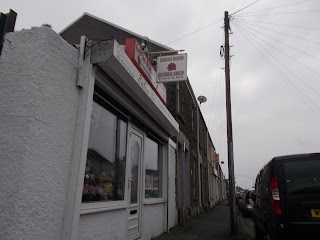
287	201
238	196
246	202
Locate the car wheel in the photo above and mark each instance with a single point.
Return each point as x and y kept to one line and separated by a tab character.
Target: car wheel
258	234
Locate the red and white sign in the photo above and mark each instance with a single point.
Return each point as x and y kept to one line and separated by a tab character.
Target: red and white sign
143	64
153	104
216	158
172	68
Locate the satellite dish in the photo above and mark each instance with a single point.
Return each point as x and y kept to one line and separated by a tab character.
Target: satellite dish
202	99
222	162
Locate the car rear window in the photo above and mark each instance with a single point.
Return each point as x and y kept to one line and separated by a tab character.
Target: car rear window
250	194
302	176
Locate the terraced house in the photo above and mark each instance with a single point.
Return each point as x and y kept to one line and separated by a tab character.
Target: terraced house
112	153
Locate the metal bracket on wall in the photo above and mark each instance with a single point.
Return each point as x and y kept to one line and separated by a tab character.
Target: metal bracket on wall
92	52
101	50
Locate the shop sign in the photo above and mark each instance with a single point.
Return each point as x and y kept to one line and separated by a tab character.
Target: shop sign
216	158
172	68
136	75
144	65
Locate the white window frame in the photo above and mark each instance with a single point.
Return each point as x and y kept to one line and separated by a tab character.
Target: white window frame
94	207
162	157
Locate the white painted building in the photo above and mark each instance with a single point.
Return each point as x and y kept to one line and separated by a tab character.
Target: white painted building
86	149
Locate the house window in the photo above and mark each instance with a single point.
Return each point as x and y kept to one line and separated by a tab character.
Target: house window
153	169
106	158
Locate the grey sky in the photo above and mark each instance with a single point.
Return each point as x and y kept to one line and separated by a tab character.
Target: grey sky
275	99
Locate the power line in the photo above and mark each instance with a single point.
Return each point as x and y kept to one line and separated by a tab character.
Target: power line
221	118
219	107
275	7
283	76
247	20
307	54
269	14
295	60
244	7
215	90
283	33
198	30
294	85
219	97
219	115
312	89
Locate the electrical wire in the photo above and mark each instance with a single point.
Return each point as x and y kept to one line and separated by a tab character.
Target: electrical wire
295	60
308	40
215	90
270	14
244	7
307	85
278	24
222	118
218	115
267	9
216	82
198	30
283	76
218	100
218	106
307	54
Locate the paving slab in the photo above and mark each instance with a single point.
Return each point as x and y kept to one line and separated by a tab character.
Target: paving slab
211	225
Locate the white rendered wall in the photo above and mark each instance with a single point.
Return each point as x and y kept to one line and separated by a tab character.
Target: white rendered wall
104	225
153	220
38	110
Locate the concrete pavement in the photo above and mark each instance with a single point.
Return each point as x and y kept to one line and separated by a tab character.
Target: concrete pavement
211	225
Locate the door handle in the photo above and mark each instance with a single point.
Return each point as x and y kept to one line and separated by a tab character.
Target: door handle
131	180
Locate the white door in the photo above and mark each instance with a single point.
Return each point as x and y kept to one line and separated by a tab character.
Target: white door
134	184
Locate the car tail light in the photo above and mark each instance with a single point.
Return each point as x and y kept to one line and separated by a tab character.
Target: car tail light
275	196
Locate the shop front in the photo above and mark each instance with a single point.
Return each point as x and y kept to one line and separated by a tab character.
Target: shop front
87	143
130	162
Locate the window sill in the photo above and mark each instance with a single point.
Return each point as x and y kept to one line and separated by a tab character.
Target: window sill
154	201
88	208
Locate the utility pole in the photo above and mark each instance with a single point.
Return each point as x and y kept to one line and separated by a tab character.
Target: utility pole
232	196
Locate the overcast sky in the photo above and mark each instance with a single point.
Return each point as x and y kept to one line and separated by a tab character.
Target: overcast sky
274	68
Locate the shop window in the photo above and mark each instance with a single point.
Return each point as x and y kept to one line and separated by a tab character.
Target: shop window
106	159
153	169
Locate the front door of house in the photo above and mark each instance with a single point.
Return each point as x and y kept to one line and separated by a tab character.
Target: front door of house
134	184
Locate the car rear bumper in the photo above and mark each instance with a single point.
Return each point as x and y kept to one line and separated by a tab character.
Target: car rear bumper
296	231
303	229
